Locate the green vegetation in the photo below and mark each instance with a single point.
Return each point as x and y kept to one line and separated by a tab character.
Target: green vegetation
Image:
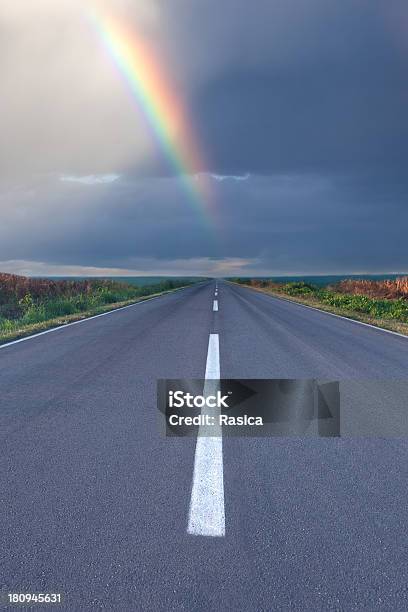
362	300
387	309
31	304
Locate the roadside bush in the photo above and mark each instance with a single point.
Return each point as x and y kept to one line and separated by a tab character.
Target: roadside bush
24	301
11	311
34	314
6	325
394	309
336	296
299	288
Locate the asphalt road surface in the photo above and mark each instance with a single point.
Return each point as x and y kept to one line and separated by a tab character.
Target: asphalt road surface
95	502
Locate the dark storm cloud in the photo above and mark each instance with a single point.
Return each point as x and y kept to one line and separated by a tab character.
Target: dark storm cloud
300	104
285	224
329	95
293	85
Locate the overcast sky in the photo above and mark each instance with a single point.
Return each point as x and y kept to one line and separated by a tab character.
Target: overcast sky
299	108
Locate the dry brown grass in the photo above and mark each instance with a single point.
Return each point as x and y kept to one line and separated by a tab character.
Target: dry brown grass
13	287
389	289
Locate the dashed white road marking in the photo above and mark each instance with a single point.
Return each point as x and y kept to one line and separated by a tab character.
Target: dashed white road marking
215	306
207	511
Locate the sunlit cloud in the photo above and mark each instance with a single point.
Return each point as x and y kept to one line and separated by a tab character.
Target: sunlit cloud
90	179
230	177
143	266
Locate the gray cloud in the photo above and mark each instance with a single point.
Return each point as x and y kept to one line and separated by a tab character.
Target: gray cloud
299	107
284	224
90	179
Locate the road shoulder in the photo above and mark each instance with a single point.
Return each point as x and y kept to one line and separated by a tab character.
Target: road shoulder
395	327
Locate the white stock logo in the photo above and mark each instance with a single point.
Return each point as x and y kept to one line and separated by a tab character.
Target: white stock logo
179	399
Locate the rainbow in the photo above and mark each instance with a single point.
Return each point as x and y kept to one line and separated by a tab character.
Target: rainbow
158	100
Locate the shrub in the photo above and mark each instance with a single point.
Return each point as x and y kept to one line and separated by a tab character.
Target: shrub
298	288
349	295
25	300
6	325
34	314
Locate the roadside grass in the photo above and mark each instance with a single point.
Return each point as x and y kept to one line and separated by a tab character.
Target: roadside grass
391	314
68	301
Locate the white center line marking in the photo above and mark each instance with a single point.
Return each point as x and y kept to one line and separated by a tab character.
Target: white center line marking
207	513
215	306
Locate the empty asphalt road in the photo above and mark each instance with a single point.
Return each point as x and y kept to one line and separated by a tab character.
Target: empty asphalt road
95	504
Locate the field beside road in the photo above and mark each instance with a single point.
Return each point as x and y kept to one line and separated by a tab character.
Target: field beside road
383	303
31	305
